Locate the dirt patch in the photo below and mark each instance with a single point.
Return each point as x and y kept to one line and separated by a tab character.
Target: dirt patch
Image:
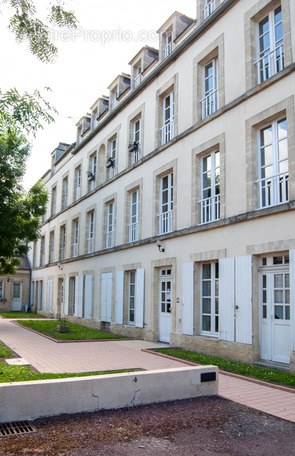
204	426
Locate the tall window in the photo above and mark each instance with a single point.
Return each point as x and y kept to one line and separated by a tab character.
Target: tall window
62	248
136	141
77	189
131	298
1	290
209	101
271	51
210	298
168	44
51	247
42	251
65	186
167	131
134	212
210	202
113	157
166	208
273	183
92	172
90	240
110	226
75	238
53	201
137	76
209	8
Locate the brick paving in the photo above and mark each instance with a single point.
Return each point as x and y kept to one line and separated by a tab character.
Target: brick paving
48	356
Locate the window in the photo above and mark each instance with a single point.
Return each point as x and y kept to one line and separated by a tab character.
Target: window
77	189
167	130
210	298
114	99
209	8
136	141
168	44
92	172
72	296
53	201
75	238
270	49
210	202
131	298
62	248
51	247
16	290
90	240
110	226
112	158
1	290
42	251
166	205
273	182
65	186
134	216
209	101
35	254
137	76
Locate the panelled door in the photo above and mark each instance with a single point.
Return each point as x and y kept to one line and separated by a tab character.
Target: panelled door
16	303
275	315
165	305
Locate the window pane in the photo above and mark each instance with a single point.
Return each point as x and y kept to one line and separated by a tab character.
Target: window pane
206	305
206	271
278	280
279	312
206	323
287	308
278	297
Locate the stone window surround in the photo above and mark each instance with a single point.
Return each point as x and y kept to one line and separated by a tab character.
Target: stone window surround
137	185
251	20
200	152
168	168
214	50
170	86
88	210
284	108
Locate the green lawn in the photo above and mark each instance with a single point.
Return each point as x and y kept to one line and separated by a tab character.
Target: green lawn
5	352
20	315
77	332
249	370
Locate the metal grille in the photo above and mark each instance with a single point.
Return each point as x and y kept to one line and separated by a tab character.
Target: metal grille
16	428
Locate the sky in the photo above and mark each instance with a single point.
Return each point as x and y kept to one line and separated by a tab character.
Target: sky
109	35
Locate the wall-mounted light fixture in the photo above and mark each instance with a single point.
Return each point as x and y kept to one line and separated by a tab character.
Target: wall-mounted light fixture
59	266
160	246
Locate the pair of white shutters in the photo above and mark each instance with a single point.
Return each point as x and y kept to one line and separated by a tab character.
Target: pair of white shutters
139	297
235	299
80	289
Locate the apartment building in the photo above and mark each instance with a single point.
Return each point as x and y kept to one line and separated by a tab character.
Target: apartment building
171	217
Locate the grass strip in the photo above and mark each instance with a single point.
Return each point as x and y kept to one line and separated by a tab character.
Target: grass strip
20	315
77	332
236	367
10	374
5	352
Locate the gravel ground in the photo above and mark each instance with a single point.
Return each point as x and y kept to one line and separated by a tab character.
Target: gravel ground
204	426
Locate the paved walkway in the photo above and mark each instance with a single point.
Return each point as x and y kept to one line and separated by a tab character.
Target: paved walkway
48	356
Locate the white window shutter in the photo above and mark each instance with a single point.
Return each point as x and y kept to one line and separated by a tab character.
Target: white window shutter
80	296
119	297
76	296
49	295
227	298
243	271
106	297
88	297
66	297
292	297
187	298
139	297
103	310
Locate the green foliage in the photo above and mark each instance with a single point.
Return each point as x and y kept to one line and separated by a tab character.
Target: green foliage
5	352
77	332
27	27
10	374
20	315
249	370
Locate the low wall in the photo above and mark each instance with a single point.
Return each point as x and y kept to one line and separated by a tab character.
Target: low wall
30	400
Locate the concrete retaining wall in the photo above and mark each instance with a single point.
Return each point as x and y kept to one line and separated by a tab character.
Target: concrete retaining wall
29	400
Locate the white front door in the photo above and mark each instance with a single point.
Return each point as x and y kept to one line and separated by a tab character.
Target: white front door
106	297
16	303
275	342
165	305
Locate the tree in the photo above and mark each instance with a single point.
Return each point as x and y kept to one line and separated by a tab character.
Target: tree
21	115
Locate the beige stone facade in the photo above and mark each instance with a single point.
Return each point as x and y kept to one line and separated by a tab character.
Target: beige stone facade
15	289
178	221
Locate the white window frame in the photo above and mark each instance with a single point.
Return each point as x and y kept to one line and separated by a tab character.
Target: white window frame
208	8
90	246
136	138
274	189
167	131
210	206
65	188
42	251
131	297
168	44
93	170
51	247
210	100
270	60
110	226
113	155
75	245
166	205
213	313
62	249
1	290
77	183
53	201
134	216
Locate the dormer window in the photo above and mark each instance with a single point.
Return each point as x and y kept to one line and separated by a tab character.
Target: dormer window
168	44
114	99
209	8
172	32
118	89
141	62
137	76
